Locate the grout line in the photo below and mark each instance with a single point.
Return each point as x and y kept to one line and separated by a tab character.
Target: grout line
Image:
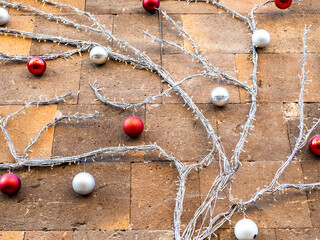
85	6
161	53
291	145
130	198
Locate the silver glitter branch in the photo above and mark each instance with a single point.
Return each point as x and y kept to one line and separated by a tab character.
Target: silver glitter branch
274	186
228	168
143	62
122	105
77	116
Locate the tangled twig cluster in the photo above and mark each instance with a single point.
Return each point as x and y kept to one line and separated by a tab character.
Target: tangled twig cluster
204	215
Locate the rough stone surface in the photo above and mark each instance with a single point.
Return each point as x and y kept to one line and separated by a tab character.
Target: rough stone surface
245	6
114	6
170	34
13	45
132	31
277	69
117	81
286	31
311	171
172	7
178	133
23	127
263	234
80	4
153	190
199	88
300	234
309	162
52	235
310	112
135	192
46	200
11	235
268	140
266	212
104	131
128	235
52	28
19	85
226	35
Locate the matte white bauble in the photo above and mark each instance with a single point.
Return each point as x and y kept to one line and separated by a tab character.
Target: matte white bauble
83	183
246	229
260	38
98	55
219	96
4	16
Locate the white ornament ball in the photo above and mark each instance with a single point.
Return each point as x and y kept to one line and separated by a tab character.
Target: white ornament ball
83	183
98	55
246	229
219	96
4	16
260	38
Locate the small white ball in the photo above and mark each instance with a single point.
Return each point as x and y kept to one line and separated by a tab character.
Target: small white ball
98	55
260	38
219	96
246	229
83	183
4	16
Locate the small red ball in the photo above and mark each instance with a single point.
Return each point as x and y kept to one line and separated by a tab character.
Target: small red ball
10	184
37	66
150	5
133	126
314	145
283	4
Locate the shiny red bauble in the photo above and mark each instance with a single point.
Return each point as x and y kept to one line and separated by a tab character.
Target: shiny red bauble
283	4
10	184
150	5
314	145
37	65
133	126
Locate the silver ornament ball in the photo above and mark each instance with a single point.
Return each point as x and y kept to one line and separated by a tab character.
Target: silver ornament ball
4	16
83	183
219	96
246	229
98	55
260	38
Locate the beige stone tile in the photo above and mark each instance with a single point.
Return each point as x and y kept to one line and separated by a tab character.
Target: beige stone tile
154	187
47	201
11	235
12	45
52	235
23	127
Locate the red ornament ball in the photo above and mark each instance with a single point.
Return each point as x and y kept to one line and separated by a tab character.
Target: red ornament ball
314	145
150	5
10	184
37	66
283	4
133	126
